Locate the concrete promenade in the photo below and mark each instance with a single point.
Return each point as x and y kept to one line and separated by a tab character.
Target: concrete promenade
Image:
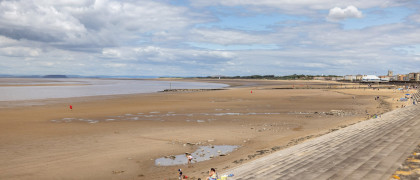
371	149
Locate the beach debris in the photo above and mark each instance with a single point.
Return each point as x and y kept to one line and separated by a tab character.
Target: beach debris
260	152
173	157
395	177
239	161
117	172
334	129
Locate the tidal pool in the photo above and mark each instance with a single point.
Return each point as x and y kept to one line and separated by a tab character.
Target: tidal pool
203	153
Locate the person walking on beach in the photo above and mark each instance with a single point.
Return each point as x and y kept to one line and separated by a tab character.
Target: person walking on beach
212	175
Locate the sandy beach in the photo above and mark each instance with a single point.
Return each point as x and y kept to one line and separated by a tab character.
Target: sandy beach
121	136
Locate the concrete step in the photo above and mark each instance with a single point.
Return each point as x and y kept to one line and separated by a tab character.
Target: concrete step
341	167
368	149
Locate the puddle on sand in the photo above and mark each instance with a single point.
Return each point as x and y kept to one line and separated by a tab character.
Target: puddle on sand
203	153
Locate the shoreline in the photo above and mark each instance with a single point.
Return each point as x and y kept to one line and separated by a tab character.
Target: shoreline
275	124
24	90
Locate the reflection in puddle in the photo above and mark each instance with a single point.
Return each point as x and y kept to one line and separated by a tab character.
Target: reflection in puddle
203	153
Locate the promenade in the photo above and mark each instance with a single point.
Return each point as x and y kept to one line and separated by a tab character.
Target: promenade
372	149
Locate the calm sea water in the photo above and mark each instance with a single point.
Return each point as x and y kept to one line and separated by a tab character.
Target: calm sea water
92	87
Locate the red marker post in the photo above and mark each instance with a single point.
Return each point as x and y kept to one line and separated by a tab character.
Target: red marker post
71	107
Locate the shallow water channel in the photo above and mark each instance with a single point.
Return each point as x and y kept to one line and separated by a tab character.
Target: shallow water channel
203	153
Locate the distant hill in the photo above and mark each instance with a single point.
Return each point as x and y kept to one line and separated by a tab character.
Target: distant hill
54	76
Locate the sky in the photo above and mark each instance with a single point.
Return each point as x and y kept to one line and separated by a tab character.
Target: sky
209	37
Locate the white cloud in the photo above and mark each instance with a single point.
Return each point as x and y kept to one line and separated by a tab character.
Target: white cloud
114	53
415	18
90	24
5	41
226	37
20	51
24	19
337	14
115	65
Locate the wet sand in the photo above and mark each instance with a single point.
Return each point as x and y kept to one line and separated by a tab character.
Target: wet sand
119	137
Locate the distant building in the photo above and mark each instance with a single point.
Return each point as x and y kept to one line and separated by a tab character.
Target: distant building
413	77
371	78
319	78
337	78
322	78
359	77
349	77
390	73
401	77
385	79
393	78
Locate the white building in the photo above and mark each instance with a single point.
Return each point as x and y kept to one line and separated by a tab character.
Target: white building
349	77
371	78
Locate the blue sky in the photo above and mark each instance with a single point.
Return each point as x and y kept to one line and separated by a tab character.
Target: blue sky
204	38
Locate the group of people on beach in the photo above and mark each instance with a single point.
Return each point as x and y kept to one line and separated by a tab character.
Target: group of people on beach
212	175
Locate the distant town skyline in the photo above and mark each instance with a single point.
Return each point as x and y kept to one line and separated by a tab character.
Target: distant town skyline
204	38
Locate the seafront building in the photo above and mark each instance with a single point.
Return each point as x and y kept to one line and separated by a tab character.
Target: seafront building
390	77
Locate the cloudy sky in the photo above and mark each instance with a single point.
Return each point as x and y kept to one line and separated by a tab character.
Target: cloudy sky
209	37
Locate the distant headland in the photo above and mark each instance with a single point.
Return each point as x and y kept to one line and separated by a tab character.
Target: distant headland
54	76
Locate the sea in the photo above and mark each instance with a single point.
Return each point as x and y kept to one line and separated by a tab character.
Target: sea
20	90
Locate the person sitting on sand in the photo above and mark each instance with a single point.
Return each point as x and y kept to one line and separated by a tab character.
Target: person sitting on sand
212	174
